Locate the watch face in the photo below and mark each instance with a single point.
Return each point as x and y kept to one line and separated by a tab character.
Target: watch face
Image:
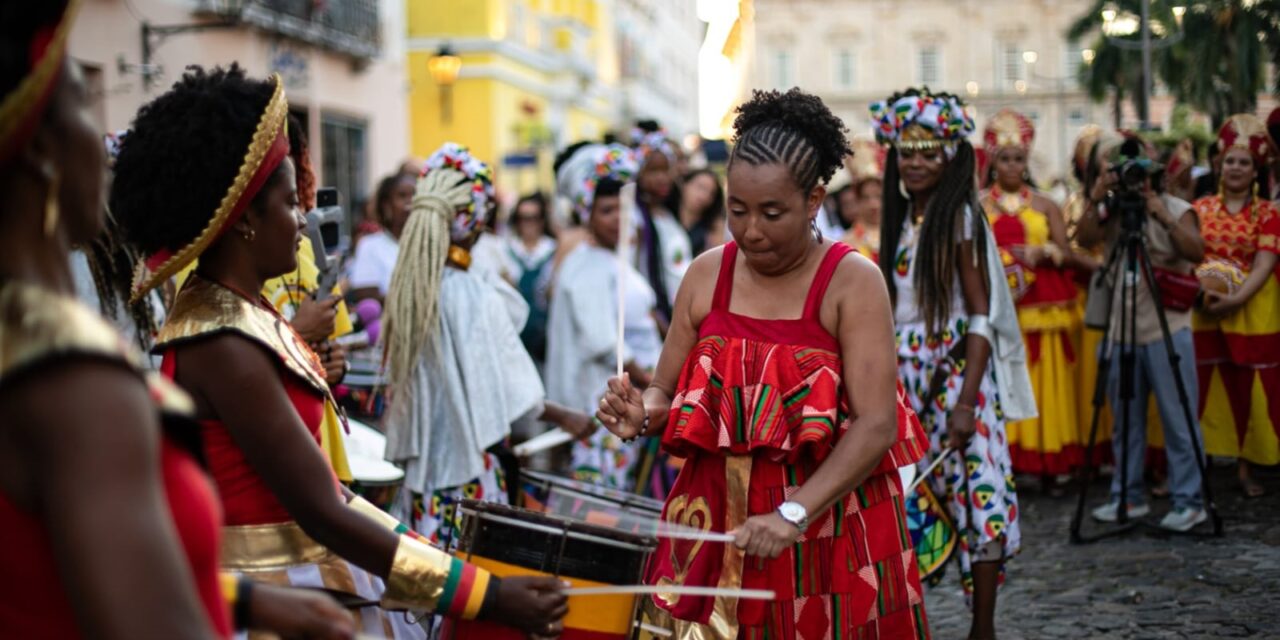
792	511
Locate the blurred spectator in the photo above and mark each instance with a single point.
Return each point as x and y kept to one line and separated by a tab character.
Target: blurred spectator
530	248
702	210
376	253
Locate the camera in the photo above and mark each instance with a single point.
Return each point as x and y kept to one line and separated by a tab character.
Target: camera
1132	172
326	228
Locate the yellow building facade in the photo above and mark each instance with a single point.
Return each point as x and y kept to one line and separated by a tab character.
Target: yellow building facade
535	75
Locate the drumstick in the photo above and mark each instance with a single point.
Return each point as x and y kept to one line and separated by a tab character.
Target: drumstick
652	630
542	442
928	470
678	590
628	201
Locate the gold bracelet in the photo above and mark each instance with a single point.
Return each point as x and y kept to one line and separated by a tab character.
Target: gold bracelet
417	578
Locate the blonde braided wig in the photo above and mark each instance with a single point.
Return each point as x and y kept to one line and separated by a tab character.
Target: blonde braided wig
412	315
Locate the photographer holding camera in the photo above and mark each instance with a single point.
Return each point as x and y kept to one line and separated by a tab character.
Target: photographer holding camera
1125	197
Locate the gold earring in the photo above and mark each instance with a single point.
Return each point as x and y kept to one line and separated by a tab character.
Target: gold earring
51	211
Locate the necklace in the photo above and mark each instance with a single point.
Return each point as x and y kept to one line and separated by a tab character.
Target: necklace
460	257
1011	203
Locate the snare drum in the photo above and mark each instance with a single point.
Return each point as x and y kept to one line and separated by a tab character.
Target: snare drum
508	541
590	503
375	479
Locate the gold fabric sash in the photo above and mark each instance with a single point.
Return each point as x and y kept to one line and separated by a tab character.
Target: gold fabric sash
269	547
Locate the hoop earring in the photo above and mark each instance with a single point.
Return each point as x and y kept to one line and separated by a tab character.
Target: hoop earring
51	209
813	227
902	190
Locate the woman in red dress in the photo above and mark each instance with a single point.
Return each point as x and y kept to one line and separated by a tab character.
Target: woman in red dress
778	385
110	525
205	175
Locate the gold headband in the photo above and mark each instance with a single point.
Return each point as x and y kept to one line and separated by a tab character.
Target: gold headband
916	137
269	146
28	100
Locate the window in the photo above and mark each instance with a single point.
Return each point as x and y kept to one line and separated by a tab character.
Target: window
784	76
930	70
343	155
1071	61
844	69
1076	117
1011	65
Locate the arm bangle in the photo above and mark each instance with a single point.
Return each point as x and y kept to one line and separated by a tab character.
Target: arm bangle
963	408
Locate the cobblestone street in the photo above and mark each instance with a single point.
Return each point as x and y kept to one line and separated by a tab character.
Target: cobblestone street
1144	584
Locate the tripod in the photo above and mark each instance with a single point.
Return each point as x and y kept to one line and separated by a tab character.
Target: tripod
1128	261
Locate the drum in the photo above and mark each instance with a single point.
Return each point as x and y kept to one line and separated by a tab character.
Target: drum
508	541
590	503
374	479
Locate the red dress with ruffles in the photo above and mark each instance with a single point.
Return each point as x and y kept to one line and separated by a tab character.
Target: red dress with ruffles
760	404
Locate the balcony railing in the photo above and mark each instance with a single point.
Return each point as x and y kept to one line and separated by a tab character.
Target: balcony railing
345	26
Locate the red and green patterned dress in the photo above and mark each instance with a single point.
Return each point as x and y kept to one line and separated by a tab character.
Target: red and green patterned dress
759	406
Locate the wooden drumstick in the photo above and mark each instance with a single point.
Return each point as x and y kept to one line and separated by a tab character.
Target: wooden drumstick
673	589
628	202
929	470
542	442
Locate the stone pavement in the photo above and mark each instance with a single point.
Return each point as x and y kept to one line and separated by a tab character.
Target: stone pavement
1146	584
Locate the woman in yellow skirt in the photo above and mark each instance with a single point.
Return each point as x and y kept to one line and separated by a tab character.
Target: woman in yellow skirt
1237	332
1033	244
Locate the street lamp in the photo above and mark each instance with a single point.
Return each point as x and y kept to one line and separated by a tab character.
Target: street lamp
1114	26
1087	55
444	67
973	88
1030	57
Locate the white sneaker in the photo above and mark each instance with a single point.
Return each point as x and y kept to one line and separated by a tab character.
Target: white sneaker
1109	512
1183	519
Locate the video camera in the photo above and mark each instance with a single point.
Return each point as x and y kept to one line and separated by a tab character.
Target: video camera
326	228
1132	172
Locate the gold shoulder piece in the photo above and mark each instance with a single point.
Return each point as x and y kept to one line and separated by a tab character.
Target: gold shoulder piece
37	324
204	308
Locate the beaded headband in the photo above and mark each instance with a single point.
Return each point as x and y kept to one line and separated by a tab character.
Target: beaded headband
267	149
583	172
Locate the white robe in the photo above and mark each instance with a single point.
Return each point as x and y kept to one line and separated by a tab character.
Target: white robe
465	393
582	327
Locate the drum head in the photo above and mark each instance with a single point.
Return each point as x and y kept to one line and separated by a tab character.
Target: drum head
365	450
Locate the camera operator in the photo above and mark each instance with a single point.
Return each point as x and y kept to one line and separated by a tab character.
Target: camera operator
1172	236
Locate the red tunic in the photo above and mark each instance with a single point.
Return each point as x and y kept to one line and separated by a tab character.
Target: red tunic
246	498
36	604
759	405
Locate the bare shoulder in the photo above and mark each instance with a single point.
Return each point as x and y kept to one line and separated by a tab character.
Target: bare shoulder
857	276
1043	203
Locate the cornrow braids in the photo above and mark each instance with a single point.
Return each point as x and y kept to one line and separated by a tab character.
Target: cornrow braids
795	129
937	252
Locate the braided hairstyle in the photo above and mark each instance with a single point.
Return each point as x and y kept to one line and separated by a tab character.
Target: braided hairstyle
183	152
938	246
794	129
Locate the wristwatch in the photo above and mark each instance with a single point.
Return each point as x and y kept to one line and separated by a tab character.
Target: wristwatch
795	513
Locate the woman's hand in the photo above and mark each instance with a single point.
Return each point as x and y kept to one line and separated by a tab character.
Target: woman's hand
532	604
960	427
1027	254
578	424
1220	305
298	613
334	358
765	535
622	408
314	319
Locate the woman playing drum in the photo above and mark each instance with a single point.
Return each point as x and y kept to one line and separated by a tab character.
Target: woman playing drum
778	384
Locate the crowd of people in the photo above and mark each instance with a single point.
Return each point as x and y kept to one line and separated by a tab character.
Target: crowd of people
763	346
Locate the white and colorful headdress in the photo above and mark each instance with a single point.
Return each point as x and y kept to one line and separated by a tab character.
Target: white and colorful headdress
458	157
646	142
588	166
918	120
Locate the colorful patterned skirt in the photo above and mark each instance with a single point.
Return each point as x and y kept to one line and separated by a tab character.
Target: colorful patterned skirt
977	488
852	574
1238	366
299	561
605	460
436	516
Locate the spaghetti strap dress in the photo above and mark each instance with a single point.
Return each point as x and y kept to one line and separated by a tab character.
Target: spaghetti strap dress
759	405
